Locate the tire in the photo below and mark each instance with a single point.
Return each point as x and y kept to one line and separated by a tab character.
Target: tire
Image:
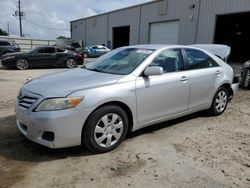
85	55
22	64
105	129
220	102
70	63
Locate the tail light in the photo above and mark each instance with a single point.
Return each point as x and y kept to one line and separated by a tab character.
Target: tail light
78	56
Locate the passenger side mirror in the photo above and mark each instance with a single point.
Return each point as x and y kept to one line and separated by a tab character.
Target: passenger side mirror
153	71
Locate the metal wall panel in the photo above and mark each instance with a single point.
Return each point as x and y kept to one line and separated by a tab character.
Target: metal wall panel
208	11
197	24
78	30
176	10
96	30
164	32
127	17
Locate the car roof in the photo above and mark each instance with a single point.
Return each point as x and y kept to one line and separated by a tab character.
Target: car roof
47	46
221	51
155	46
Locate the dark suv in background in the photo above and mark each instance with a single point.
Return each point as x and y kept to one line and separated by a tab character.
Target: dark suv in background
8	47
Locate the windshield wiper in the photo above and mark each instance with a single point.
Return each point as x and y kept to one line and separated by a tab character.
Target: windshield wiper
95	69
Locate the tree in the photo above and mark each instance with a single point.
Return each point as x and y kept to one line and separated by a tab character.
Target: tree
61	37
4	33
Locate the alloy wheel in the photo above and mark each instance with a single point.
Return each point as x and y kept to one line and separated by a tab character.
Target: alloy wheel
22	64
221	101
71	63
108	130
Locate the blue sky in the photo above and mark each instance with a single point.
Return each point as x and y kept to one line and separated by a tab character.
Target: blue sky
42	17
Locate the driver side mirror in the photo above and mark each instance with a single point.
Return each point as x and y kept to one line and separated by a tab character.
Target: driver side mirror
153	71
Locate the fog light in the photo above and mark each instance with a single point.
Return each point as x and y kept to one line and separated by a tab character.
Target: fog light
49	136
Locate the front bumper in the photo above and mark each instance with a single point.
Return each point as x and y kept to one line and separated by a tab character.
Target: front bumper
54	129
8	62
234	87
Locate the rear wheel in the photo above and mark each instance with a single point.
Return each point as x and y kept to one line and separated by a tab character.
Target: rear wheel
106	128
220	102
70	63
22	64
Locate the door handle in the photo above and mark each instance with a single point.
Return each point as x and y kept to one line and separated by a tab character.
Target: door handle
218	72
183	79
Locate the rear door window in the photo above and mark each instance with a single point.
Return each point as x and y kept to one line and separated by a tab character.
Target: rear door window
197	59
48	50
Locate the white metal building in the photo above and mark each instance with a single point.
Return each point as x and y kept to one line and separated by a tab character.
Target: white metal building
171	22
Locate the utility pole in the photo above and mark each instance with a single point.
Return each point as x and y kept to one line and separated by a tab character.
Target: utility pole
19	13
20	18
8	27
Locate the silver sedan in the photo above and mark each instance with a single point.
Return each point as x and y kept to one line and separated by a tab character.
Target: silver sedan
125	90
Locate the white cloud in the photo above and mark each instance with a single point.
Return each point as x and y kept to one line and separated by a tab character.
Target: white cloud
43	15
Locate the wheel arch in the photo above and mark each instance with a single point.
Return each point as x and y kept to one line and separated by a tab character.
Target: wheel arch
69	57
122	105
229	89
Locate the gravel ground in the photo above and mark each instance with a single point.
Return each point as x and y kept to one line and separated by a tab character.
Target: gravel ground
194	151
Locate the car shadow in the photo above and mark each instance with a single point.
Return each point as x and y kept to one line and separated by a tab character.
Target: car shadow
14	146
159	126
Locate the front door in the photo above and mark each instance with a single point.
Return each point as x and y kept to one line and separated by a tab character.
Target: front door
164	95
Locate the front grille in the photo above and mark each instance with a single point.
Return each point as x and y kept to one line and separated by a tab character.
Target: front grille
26	101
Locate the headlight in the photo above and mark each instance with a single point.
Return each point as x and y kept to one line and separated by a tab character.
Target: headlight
58	104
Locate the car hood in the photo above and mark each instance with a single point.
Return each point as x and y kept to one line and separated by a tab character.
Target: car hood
13	54
64	83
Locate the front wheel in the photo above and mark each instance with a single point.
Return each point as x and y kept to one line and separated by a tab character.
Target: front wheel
70	63
106	128
220	102
22	64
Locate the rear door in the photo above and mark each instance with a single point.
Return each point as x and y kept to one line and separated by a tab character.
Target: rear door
163	95
204	73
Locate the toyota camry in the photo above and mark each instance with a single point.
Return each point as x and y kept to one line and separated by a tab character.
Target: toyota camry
127	89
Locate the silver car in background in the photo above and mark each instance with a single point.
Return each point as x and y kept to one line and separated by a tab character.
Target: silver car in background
125	90
95	51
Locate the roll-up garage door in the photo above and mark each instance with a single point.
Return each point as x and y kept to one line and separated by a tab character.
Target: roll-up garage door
164	32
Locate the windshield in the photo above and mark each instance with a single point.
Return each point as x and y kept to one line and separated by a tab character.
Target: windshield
121	61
